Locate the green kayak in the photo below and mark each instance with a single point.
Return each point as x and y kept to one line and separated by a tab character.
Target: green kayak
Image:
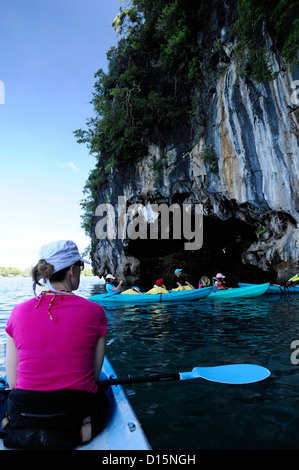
247	292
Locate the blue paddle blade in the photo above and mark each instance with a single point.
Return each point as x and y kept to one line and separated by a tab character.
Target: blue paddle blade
228	374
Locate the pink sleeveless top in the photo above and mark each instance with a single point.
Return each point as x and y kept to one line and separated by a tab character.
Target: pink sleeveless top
55	336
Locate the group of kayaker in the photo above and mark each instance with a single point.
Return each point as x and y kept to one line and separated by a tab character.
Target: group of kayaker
179	283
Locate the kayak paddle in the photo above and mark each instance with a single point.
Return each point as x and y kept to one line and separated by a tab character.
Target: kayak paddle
236	374
111	295
227	374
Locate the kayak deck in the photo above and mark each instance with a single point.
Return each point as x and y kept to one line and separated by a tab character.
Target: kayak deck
123	430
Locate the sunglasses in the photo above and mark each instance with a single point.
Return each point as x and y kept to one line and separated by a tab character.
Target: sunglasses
80	264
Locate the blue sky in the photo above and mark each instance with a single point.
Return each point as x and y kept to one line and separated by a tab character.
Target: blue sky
50	51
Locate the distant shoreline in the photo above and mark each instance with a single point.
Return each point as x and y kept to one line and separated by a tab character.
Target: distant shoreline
14	275
16	272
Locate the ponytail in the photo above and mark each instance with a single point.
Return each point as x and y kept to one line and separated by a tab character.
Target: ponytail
42	270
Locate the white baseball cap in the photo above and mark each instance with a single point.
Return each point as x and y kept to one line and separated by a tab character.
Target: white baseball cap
61	254
109	276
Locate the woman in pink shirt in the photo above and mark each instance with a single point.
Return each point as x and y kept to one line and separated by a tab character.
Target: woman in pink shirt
55	352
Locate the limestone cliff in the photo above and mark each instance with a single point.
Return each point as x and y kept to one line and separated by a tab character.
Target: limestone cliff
242	166
256	136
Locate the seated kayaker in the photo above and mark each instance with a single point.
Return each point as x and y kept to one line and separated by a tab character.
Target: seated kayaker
219	281
179	283
204	282
133	290
159	283
110	287
158	288
55	351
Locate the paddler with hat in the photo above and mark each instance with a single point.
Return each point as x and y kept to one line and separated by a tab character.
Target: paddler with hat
179	283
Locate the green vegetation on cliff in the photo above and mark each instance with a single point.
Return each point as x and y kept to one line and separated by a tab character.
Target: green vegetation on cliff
160	65
280	19
146	92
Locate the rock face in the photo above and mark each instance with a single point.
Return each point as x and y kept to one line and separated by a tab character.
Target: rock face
257	143
243	169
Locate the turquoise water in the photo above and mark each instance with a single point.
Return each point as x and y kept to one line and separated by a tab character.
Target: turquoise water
198	414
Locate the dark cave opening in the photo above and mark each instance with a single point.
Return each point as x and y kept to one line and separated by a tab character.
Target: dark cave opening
223	244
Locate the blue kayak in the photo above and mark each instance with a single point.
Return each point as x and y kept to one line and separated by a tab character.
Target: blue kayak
123	430
275	289
145	299
244	292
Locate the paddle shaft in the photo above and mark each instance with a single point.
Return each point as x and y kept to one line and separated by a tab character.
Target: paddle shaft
127	380
111	295
139	379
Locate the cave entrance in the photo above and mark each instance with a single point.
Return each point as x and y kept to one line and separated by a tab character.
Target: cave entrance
223	244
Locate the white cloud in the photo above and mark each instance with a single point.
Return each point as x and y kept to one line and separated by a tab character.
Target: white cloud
73	166
69	165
